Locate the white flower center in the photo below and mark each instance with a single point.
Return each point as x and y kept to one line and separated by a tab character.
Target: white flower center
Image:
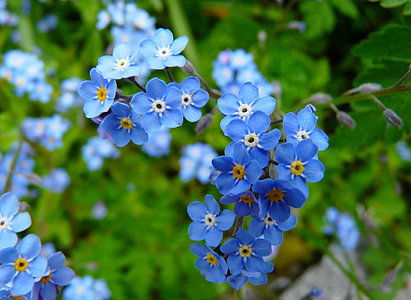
226	73
186	99
269	221
302	135
122	64
4	223
210	220
159	106
245	110
80	290
163	52
251	140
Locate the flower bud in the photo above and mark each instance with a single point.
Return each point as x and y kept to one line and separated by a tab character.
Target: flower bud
392	118
369	87
189	68
204	123
319	98
345	119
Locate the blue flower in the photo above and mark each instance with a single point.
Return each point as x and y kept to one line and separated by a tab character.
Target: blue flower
237	281
252	134
208	222
162	51
192	98
124	125
276	197
239	172
158	143
10	221
211	265
243	106
20	267
87	288
246	251
57	276
264	224
159	106
245	203
301	126
99	94
6	294
122	64
297	163
57	181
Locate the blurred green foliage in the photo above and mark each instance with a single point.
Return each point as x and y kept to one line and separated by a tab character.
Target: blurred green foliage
142	247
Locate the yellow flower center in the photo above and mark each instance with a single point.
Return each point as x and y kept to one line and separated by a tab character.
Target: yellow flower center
21	264
16	297
102	94
275	195
126	123
247	199
211	259
297	168
239	172
45	279
245	251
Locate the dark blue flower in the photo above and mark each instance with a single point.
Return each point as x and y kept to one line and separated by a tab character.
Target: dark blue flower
245	203
238	171
162	51
301	126
192	98
211	265
252	134
264	224
20	267
297	163
246	251
10	221
243	106
124	125
99	94
208	222
237	281
58	275
123	63
160	105
276	197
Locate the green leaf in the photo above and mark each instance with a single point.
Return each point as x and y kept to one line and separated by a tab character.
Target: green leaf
319	18
347	7
396	3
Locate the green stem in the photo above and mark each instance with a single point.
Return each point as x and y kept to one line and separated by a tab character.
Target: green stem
7	184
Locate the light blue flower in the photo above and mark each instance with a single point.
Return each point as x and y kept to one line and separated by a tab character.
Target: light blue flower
11	221
162	51
211	265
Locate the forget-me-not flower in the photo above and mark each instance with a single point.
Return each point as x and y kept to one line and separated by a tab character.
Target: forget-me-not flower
211	265
245	203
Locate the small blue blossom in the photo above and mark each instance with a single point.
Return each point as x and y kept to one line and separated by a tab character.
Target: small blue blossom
99	210
301	126
57	181
297	163
160	105
124	125
208	222
264	224
246	251
403	151
237	281
163	51
210	264
11	221
192	98
96	150
87	288
276	197
57	276
238	171
122	64
98	93
7	295
158	143
245	203
20	267
244	105
252	134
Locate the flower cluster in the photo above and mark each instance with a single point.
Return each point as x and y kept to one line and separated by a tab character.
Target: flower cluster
159	105
48	131
57	181
264	178
24	166
87	288
158	143
69	97
232	69
96	150
343	226
6	17
196	162
25	272
25	72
